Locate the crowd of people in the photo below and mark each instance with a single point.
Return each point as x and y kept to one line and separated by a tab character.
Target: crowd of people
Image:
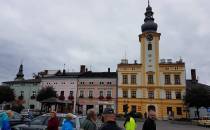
106	121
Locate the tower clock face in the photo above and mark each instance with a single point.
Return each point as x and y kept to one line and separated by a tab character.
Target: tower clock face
149	37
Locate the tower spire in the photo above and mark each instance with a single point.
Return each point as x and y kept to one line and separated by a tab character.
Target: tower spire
20	75
149	24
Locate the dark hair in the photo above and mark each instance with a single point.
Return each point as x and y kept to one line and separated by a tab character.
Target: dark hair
127	119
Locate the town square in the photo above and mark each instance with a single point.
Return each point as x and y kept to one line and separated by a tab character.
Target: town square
104	65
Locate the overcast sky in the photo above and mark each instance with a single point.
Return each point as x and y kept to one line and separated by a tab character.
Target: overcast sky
45	34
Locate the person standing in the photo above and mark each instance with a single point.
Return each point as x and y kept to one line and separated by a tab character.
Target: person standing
90	122
5	125
53	122
68	124
130	123
149	123
109	120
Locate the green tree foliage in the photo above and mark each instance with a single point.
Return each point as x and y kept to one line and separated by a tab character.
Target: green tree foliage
6	94
197	96
46	93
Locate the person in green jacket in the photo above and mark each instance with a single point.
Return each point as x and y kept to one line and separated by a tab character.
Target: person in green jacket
130	123
90	122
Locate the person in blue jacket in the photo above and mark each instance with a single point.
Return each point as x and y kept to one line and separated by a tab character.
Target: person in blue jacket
68	124
4	120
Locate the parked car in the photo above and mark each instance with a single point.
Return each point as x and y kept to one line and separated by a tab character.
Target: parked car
40	122
16	119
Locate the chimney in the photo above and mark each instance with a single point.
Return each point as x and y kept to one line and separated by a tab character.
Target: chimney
193	74
82	68
135	61
64	71
86	70
108	69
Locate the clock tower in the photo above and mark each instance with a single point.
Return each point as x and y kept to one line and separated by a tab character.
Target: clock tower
149	40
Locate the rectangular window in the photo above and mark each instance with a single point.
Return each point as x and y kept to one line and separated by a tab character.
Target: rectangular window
168	94
81	93
101	93
109	94
22	93
34	93
179	111
125	79
133	79
62	93
151	94
177	79
133	108
149	46
178	95
133	94
71	93
167	79
90	93
150	79
125	94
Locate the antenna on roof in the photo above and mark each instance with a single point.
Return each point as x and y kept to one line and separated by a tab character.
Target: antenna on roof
125	55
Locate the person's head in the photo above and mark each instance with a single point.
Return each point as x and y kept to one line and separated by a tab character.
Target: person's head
53	114
69	116
10	113
152	114
109	115
91	114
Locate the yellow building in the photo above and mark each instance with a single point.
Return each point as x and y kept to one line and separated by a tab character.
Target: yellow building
153	84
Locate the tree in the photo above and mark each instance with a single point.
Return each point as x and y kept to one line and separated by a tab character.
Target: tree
46	93
6	94
197	96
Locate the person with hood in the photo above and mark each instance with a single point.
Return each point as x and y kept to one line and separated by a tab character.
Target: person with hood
53	122
130	123
90	122
68	124
109	120
4	122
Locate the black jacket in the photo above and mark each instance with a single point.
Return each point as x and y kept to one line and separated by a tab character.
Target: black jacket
111	125
149	124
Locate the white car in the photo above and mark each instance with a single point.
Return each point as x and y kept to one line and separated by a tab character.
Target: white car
40	122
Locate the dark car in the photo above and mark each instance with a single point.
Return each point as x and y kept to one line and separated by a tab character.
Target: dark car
17	119
40	122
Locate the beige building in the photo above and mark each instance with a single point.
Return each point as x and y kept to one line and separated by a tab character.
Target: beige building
153	84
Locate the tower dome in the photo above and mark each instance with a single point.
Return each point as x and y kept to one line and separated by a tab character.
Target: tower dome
149	24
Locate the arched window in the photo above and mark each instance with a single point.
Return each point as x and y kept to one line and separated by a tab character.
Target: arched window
149	46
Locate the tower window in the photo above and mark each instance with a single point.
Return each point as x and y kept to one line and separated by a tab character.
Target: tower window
167	79
150	79
125	94
168	94
151	94
125	79
133	79
149	46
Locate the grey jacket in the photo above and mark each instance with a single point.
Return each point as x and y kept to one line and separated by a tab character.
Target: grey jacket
88	125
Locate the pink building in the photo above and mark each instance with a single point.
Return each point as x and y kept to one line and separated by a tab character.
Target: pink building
96	90
64	83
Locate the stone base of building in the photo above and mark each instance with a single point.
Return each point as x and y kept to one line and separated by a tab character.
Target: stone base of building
165	109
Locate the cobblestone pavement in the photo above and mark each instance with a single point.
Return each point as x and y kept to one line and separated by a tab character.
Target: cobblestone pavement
165	125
